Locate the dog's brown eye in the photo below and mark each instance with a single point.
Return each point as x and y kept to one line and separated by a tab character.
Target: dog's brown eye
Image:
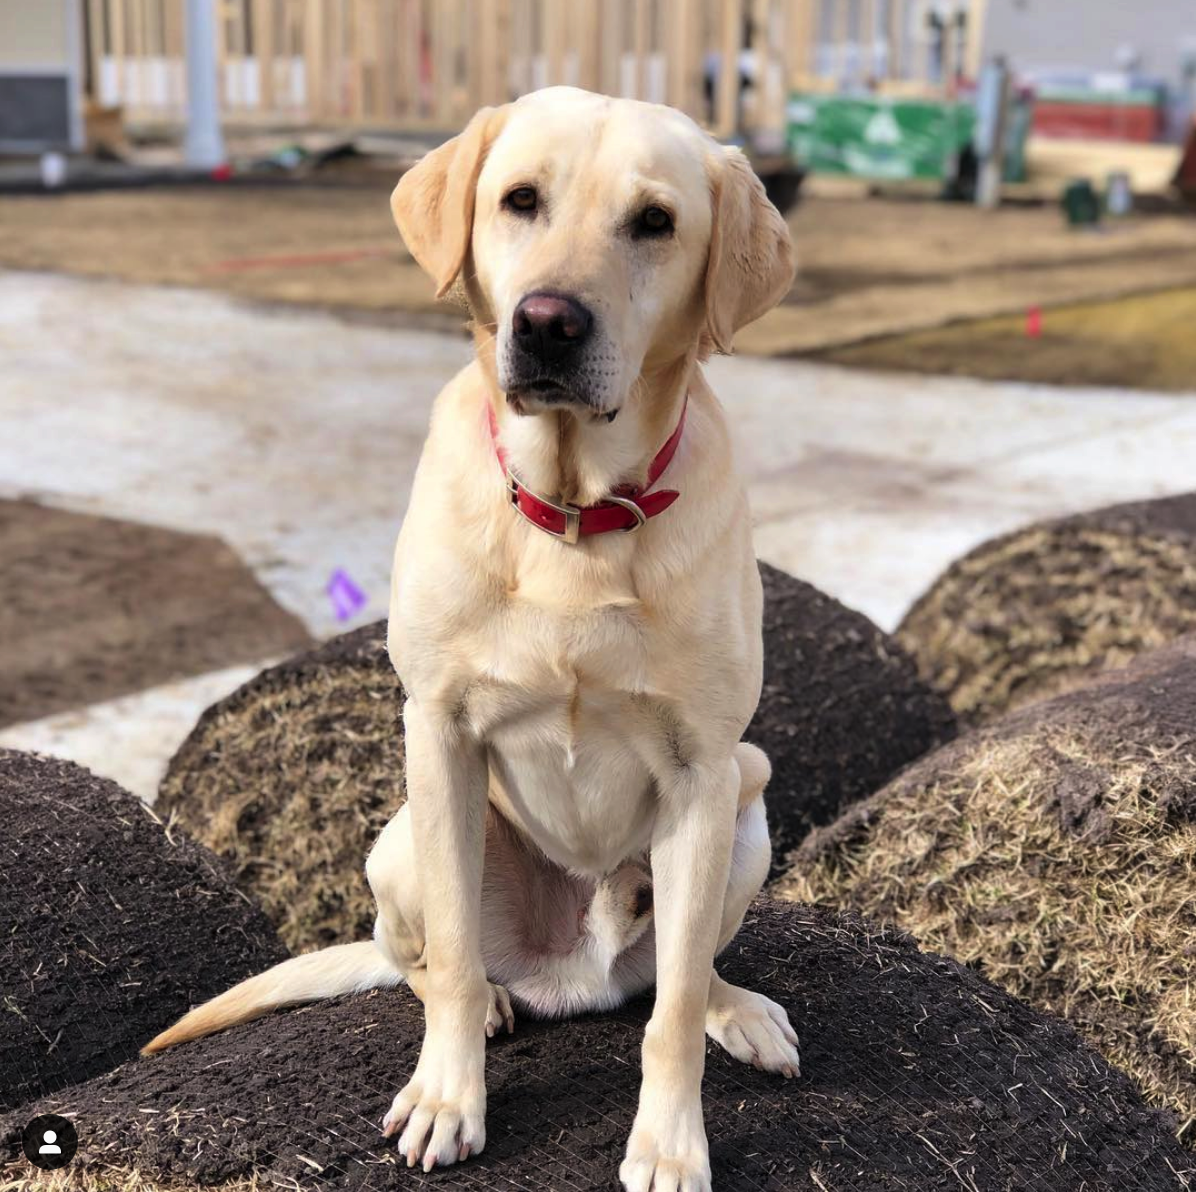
655	221
522	198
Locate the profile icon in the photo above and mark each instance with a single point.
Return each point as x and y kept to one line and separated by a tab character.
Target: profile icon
49	1142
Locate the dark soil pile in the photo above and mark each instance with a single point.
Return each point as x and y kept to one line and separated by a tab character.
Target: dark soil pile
93	607
1033	613
842	708
1055	850
917	1076
292	777
110	927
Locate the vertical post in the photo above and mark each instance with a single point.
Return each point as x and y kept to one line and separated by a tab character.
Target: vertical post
76	69
204	144
992	107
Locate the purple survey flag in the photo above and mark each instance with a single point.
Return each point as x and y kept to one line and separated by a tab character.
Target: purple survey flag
347	598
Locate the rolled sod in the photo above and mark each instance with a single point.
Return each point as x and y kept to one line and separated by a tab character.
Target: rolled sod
1033	613
918	1076
841	711
1055	850
111	926
292	777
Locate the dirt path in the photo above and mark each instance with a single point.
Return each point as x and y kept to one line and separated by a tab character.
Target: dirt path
870	268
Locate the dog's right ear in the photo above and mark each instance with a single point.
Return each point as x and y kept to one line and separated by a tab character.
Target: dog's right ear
433	202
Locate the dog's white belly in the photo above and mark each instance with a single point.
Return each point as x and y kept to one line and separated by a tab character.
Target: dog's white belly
571	774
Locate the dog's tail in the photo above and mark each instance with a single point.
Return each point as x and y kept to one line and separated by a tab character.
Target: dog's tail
346	968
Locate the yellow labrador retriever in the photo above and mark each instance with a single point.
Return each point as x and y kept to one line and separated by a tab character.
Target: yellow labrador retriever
575	616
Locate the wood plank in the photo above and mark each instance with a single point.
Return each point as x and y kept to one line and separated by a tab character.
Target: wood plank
313	59
613	40
354	37
898	24
263	51
726	88
640	47
443	80
588	26
974	54
799	40
120	48
553	17
97	41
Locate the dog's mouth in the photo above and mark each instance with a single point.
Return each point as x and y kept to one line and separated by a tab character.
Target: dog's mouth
541	393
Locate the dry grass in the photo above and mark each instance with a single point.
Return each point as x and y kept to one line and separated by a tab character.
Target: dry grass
1060	859
292	777
101	1177
1144	341
1034	613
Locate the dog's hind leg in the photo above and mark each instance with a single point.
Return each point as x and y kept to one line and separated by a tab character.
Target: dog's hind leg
750	1026
392	870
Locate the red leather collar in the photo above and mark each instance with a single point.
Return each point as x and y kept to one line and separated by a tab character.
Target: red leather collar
626	509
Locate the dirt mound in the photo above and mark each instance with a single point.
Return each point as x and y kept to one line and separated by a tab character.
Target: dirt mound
917	1075
110	927
292	777
1056	850
1032	613
95	607
842	709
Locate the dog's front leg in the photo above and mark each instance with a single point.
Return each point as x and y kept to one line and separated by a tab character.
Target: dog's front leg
442	1110
691	857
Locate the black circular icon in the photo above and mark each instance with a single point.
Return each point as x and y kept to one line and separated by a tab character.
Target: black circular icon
50	1142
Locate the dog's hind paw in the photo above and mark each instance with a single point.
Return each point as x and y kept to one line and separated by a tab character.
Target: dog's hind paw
752	1028
499	1012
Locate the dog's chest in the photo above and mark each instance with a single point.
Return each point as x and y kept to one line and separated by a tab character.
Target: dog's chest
568	709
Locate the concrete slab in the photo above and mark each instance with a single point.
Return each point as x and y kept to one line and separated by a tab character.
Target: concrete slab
294	435
130	739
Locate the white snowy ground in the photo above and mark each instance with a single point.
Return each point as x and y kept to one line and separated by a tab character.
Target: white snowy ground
294	435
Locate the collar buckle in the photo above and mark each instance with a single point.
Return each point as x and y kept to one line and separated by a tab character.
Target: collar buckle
571	513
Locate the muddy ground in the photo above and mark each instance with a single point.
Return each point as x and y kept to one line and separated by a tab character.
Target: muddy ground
871	269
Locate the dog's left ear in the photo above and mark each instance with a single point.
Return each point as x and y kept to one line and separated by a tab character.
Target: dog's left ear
751	263
433	202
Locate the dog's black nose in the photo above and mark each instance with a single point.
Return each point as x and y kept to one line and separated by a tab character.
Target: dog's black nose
549	327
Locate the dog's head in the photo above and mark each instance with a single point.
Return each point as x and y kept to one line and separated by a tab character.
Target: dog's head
597	239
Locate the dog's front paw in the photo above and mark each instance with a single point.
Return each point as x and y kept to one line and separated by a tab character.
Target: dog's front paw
667	1152
753	1028
441	1121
